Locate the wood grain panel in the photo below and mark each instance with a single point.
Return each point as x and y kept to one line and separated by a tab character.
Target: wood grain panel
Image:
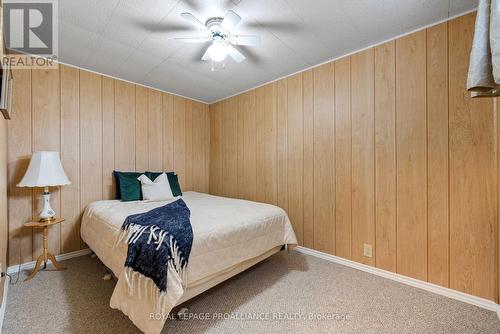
215	185
207	141
124	126
270	118
411	155
437	155
295	166
281	143
70	158
91	138
180	139
324	159
266	143
308	109
240	141
343	192
19	141
108	137
46	136
155	130
168	131
188	155
198	145
229	148
260	144
141	129
473	217
250	168
385	156
363	160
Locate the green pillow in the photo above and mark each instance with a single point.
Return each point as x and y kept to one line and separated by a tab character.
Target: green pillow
172	179
130	187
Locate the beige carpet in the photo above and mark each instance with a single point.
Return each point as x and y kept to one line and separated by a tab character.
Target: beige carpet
277	296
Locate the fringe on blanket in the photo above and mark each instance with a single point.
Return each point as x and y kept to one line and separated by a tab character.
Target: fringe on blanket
142	287
177	262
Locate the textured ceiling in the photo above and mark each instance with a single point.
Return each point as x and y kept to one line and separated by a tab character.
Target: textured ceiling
134	39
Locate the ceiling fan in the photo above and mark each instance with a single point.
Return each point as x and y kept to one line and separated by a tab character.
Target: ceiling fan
220	32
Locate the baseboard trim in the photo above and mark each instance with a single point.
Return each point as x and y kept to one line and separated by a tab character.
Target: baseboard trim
4	301
450	293
30	265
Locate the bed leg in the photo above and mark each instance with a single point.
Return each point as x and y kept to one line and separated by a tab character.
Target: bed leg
107	276
181	314
289	248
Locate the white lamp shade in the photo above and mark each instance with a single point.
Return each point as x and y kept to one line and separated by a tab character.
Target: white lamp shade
45	170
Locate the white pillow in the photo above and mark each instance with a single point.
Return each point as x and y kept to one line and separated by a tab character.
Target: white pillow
159	190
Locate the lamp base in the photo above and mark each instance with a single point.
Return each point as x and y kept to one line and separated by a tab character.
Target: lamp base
45	220
47	213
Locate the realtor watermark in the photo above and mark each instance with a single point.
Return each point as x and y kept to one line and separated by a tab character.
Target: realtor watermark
30	31
254	316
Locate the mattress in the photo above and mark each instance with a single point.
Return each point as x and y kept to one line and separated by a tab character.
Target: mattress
225	231
228	235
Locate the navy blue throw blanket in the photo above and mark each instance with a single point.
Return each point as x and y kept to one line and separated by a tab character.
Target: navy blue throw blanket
158	239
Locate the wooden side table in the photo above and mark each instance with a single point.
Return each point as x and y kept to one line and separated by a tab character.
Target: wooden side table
46	255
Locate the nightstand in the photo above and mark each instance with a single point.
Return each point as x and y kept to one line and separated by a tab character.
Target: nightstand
46	255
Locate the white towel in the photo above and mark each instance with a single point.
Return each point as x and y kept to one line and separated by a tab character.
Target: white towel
495	39
481	81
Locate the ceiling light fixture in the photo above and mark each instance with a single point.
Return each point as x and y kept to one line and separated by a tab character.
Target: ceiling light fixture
220	32
218	51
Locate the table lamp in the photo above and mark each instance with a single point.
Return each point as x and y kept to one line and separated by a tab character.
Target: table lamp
45	170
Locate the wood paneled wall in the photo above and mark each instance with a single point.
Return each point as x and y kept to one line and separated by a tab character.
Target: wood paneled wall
3	201
383	147
4	224
98	124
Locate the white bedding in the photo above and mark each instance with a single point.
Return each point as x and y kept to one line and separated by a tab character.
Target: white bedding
226	232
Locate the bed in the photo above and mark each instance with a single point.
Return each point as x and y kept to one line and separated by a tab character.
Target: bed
229	236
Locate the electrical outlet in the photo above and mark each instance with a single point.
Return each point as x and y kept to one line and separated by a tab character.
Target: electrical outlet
367	250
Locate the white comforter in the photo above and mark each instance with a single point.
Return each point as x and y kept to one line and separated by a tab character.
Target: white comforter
226	232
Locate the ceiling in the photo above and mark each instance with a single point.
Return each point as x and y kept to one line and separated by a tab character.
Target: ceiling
134	39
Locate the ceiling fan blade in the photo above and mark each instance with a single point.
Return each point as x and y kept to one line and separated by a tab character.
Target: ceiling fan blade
251	40
194	21
193	40
206	55
230	21
162	27
236	55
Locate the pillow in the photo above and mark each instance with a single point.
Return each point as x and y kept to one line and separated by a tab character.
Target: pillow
116	175
173	180
128	188
159	190
118	195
